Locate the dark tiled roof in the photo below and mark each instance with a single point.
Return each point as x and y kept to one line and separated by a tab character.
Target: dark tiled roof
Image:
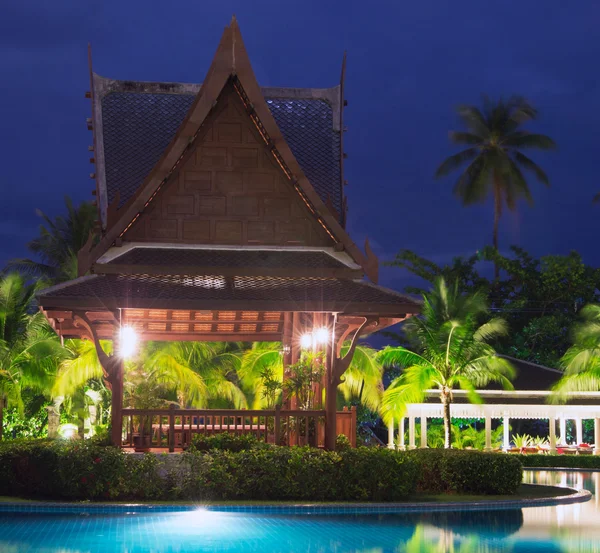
170	257
307	127
138	126
206	292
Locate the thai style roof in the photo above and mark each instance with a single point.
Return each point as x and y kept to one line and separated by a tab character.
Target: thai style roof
218	292
136	121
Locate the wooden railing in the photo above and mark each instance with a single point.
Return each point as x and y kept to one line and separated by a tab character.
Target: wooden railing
174	428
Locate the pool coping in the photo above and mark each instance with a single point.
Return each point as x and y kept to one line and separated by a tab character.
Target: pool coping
37	507
563	469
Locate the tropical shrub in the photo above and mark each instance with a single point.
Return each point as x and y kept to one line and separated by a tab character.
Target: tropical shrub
226	441
84	470
467	472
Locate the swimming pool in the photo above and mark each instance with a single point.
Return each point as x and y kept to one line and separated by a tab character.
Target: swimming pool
565	528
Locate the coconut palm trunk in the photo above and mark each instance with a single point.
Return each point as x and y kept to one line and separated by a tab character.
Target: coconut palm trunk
446	398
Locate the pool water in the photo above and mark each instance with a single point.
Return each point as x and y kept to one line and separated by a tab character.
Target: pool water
569	528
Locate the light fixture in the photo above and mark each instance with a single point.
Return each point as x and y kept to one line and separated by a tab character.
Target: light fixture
128	342
285	349
306	341
321	335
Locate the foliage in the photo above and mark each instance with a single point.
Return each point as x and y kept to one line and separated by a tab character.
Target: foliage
342	443
539	298
29	348
522	440
559	461
25	425
449	349
261	373
86	470
581	361
495	141
301	378
58	243
467	472
226	441
462	438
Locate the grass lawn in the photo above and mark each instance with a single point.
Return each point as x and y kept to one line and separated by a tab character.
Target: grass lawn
526	491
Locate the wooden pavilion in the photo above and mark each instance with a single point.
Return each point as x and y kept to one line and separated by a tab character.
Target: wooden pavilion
221	217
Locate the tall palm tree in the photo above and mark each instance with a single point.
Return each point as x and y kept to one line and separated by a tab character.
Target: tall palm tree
581	362
263	362
58	243
29	348
495	139
450	349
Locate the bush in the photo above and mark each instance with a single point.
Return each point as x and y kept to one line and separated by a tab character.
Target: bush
467	472
560	461
342	443
234	467
226	442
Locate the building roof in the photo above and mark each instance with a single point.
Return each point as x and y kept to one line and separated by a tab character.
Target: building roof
210	292
136	121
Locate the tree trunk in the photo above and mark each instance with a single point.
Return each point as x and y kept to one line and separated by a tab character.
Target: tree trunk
497	213
445	396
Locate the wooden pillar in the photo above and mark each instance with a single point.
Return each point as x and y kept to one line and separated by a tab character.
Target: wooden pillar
116	402
411	432
563	430
579	430
287	344
401	431
423	431
506	432
596	436
552	434
391	434
488	433
332	379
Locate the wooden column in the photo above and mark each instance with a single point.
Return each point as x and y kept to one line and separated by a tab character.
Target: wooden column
336	366
112	367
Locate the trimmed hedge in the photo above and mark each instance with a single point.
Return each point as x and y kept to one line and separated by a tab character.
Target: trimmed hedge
467	472
560	461
229	468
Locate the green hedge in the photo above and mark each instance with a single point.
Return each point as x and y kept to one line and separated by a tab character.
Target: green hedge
467	472
560	461
230	468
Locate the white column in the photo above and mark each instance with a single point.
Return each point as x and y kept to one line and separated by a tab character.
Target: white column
488	433
563	431
552	434
579	430
391	434
596	436
401	445
423	431
411	433
506	432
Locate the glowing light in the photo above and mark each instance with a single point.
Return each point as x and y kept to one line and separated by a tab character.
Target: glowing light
321	335
306	341
128	342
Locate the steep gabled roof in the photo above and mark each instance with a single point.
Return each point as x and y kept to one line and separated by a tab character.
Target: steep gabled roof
230	64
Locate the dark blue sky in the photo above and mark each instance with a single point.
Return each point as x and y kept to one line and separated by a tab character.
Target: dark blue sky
409	65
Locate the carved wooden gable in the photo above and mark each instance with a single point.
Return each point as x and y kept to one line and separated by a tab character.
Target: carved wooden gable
230	190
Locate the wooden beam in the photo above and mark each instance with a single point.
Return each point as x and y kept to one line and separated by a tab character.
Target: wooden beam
195	270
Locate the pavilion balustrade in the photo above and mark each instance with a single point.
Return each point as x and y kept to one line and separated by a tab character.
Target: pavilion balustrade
175	428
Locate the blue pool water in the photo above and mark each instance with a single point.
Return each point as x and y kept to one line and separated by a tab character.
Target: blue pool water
570	528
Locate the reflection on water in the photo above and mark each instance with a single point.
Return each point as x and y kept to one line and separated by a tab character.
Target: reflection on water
574	528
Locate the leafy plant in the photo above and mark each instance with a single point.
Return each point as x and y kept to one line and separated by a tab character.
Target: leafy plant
522	440
302	376
450	348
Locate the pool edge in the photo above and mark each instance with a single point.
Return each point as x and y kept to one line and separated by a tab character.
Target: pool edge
578	496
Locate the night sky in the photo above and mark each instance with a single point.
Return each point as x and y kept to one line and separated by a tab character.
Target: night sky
409	65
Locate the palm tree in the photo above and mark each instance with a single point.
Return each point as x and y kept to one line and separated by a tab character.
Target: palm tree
196	372
495	161
58	243
451	349
581	362
261	373
29	348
